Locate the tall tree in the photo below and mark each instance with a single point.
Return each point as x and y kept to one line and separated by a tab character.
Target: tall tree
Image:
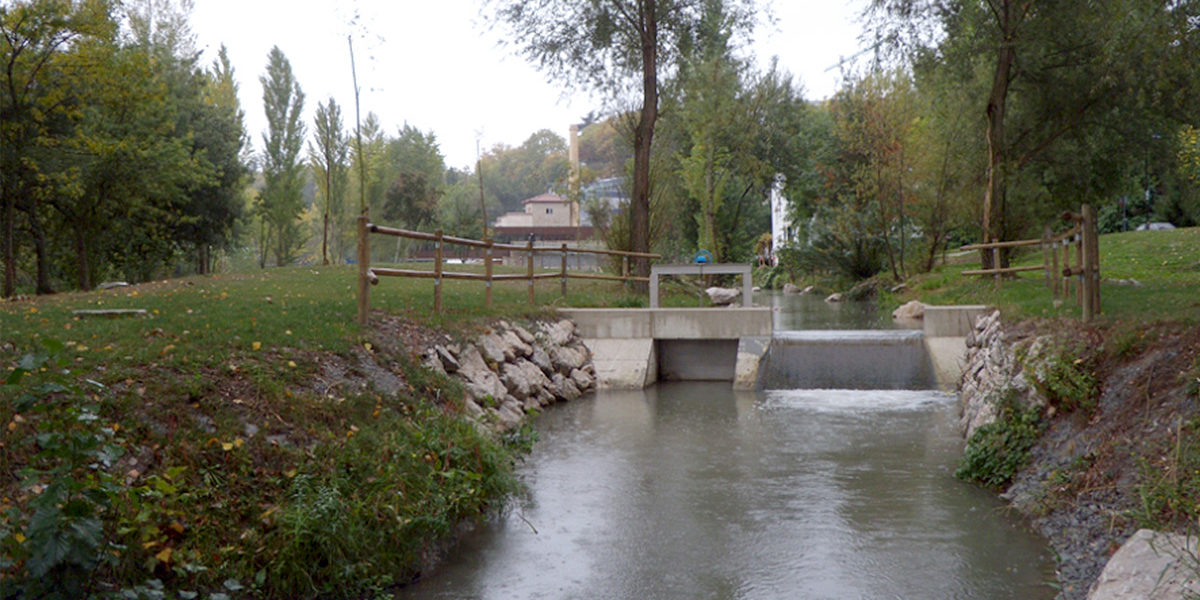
617	46
34	35
1059	73
414	169
281	203
329	159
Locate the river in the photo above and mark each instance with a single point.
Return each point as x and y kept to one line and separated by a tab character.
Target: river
691	490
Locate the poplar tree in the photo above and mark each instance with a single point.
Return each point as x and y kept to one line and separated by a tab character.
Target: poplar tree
331	168
280	204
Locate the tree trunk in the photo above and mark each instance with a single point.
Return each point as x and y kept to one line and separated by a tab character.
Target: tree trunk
81	260
10	251
325	240
993	198
39	247
643	136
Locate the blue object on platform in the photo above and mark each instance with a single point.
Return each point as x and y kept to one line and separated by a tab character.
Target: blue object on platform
703	257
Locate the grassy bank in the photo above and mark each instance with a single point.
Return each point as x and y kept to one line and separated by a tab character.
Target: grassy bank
1164	264
244	438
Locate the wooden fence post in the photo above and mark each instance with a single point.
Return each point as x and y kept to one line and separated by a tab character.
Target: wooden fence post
564	270
1055	274
1066	268
364	264
1046	252
996	262
487	269
1089	249
437	273
529	270
1079	268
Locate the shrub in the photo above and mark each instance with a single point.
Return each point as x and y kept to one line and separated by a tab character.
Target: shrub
996	451
1063	374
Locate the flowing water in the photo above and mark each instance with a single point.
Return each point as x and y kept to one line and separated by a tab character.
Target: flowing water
690	490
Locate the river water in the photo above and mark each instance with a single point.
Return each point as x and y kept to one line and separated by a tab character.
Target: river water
691	490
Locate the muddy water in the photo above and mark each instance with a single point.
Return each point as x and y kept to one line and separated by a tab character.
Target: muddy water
691	490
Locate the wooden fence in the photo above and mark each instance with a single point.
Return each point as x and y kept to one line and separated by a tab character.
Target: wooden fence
368	276
1082	270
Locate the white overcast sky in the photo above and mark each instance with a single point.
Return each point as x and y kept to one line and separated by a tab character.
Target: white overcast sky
436	65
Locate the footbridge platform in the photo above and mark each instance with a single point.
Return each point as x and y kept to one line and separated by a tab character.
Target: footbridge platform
635	347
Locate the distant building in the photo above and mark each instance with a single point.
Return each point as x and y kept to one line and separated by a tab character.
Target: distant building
548	217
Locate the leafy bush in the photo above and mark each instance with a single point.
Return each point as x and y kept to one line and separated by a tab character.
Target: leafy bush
998	450
1063	374
54	545
841	242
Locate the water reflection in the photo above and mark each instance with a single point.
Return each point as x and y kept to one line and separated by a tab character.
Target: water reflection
794	312
691	490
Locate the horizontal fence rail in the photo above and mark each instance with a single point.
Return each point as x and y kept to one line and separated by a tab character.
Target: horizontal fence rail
1083	271
368	275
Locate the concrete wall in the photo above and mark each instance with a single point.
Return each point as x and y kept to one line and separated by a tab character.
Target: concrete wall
671	323
634	347
946	328
952	321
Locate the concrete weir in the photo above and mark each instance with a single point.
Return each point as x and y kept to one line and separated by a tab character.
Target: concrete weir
634	347
860	360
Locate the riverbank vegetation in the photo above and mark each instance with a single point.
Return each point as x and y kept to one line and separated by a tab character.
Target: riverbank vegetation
243	436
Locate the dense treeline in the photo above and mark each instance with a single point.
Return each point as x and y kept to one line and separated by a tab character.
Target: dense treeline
120	154
123	157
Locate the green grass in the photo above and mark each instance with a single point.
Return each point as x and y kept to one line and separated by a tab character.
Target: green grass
240	438
1165	263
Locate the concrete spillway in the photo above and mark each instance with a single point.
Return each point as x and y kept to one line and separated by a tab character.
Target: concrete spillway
856	360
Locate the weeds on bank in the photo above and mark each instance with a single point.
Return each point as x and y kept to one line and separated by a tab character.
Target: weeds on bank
996	451
114	502
1169	481
1064	373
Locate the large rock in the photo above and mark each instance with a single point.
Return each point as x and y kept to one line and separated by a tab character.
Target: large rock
582	380
518	346
564	388
524	334
481	381
443	354
909	311
540	358
566	359
523	379
1150	566
791	289
834	297
559	333
432	362
494	348
722	296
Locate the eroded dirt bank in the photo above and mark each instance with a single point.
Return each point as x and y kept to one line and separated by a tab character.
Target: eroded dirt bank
1115	443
